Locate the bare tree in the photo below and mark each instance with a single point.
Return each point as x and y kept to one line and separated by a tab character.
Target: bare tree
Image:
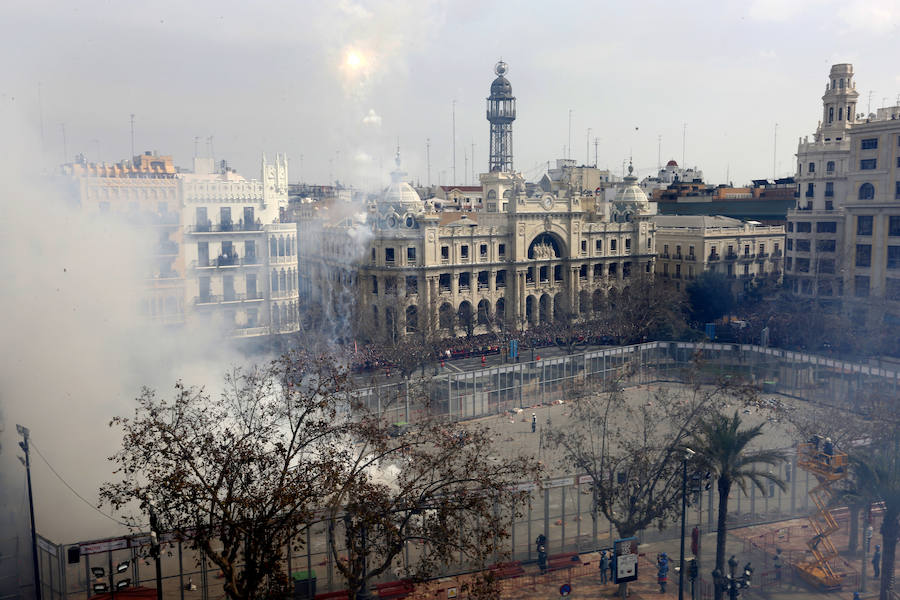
238	476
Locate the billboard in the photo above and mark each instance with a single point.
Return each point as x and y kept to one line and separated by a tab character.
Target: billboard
626	557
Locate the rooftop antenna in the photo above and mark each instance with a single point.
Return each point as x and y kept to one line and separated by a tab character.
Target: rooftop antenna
453	144
569	145
596	142
474	181
683	144
41	116
869	105
196	141
428	159
62	126
132	136
775	154
465	164
587	148
659	152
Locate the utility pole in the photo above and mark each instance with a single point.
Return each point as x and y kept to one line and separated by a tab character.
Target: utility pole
683	144
155	550
132	136
474	181
569	146
596	142
659	152
26	435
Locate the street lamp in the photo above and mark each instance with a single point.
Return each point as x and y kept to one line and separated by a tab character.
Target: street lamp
688	454
26	434
732	583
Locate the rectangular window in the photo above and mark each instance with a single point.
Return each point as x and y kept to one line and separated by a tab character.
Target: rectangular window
464	251
627	244
665	250
390	286
826	265
389	256
204	289
612	245
374	285
762	249
598	246
249	221
584	246
225	218
445	252
373	254
483	250
202	254
894	226
201	219
825	245
829	189
790	226
788	263
861	286
893	257
677	251
411	255
826	227
868	164
803	245
864	225
892	289
251	286
868	144
501	249
804	227
228	288
812	167
810	190
863	255
250	252
897	190
412	285
776	250
444	282
803	265
790	243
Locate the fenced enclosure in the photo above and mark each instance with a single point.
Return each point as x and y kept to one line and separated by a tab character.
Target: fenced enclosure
560	508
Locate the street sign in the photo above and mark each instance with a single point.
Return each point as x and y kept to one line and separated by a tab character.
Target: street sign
513	348
625	553
565	589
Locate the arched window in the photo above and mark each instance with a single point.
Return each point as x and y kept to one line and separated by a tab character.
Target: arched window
829	166
274	280
281	246
282	281
866	191
273	251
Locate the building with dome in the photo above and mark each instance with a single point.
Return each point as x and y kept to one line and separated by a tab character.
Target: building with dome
525	256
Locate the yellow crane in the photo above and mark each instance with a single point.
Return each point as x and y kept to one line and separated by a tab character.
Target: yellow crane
828	466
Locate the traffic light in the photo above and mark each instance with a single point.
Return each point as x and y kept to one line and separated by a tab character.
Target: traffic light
693	571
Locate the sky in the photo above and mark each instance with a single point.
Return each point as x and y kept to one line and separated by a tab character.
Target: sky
338	85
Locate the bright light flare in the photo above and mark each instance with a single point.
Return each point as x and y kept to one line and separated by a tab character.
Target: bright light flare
355	60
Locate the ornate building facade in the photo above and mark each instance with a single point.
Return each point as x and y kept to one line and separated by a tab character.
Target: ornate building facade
524	259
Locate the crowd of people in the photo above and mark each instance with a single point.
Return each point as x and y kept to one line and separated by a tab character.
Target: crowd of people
374	356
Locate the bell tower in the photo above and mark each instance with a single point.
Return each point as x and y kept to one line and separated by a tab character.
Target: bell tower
501	112
839	101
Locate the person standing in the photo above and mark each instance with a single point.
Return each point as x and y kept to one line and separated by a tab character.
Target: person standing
662	574
604	567
876	561
533	422
777	563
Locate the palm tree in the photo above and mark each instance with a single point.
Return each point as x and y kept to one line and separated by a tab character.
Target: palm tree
723	447
877	475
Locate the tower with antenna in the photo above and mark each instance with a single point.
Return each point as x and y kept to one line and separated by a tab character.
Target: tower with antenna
501	112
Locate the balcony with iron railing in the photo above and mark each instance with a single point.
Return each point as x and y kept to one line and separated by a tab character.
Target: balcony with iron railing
224	227
731	256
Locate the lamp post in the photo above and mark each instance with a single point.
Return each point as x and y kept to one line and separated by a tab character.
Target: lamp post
25	433
155	550
688	453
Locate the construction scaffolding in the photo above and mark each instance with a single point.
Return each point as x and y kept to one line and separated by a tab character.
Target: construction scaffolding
827	465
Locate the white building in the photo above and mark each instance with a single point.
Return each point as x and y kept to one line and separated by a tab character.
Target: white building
242	261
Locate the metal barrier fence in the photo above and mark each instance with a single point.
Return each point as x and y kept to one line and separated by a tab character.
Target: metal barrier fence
561	508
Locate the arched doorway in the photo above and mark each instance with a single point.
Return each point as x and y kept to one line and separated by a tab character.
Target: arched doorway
560	308
546	310
530	310
412	318
584	302
597	303
484	312
500	311
465	316
546	246
446	316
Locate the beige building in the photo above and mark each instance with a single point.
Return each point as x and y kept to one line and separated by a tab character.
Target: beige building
843	240
690	245
522	261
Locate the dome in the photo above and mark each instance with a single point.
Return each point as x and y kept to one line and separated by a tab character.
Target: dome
400	194
671	163
630	200
501	87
